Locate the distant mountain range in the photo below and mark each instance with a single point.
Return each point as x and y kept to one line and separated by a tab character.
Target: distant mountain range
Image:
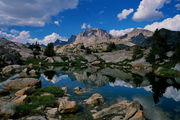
60	42
95	35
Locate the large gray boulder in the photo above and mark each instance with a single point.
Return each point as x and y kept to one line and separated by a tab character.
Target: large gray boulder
20	83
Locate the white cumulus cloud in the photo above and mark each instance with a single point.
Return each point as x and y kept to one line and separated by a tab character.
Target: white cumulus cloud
149	10
56	22
169	23
32	12
124	14
25	37
85	26
118	33
177	6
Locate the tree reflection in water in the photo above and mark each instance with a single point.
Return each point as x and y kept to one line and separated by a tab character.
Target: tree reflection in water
159	85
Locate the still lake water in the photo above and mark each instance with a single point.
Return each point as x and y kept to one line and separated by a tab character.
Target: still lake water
160	96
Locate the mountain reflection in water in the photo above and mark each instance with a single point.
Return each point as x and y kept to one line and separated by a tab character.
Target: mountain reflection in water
152	91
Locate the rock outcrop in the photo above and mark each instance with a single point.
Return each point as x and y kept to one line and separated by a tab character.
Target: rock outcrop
20	83
95	99
12	52
123	110
66	106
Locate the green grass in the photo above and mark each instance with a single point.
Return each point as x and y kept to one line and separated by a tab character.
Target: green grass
168	72
36	100
56	91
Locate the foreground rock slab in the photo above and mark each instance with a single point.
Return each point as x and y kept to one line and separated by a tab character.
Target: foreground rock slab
123	110
20	83
6	109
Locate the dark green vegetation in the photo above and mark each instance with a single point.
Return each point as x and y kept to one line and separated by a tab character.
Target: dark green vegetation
37	99
159	85
49	50
137	52
35	48
160	45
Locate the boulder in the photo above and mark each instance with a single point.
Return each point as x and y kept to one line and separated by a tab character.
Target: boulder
52	112
90	58
177	67
49	60
66	106
25	70
20	83
19	100
30	65
65	89
6	108
26	90
96	63
58	59
10	68
95	99
123	110
77	88
36	118
32	72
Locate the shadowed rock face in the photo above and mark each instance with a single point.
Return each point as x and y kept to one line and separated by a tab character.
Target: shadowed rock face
23	50
12	52
137	36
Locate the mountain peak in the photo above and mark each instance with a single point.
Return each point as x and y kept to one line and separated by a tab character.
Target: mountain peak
92	36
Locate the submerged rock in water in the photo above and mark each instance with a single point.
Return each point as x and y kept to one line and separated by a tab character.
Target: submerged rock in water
95	99
66	106
20	83
78	90
123	110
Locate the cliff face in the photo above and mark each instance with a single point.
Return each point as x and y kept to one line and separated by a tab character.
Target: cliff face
93	36
12	52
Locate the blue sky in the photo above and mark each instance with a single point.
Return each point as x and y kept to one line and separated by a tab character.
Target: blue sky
51	19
